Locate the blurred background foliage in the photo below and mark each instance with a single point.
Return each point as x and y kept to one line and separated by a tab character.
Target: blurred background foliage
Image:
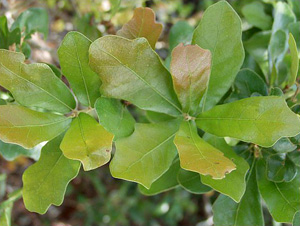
95	198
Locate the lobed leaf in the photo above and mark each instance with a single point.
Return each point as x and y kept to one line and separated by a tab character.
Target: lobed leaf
131	70
145	155
234	184
28	128
44	183
190	69
142	24
34	85
220	31
282	199
87	141
74	60
196	155
260	120
248	212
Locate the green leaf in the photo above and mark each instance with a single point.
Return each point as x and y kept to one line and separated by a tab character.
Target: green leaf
142	24
234	184
45	182
157	117
28	128
4	33
86	25
277	45
296	221
33	20
34	85
114	117
257	47
220	31
131	70
190	69
251	119
246	83
294	59
191	182
12	151
5	215
198	156
248	212
181	32
166	182
255	15
55	70
146	154
284	145
73	55
87	141
294	28
283	16
280	168
282	199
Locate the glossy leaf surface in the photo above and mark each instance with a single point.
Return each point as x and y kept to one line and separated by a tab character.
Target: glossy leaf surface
87	141
198	156
45	182
220	32
251	119
131	70
28	128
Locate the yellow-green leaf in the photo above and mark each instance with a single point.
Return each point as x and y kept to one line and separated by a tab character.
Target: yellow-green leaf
73	55
142	24
190	69
34	85
146	154
131	70
45	182
294	59
28	128
199	156
87	141
260	120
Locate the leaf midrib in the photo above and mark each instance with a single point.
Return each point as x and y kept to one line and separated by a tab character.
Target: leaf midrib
155	90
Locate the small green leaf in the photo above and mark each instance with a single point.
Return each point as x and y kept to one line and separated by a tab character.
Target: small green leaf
198	156
12	151
282	199
220	31
45	182
73	55
283	16
190	69
142	24
191	182
87	141
277	45
5	215
4	33
131	70
255	15
33	20
284	145
251	119
166	182
234	184
114	117
34	85
181	32
248	212
294	59
146	154
28	128
157	117
280	168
